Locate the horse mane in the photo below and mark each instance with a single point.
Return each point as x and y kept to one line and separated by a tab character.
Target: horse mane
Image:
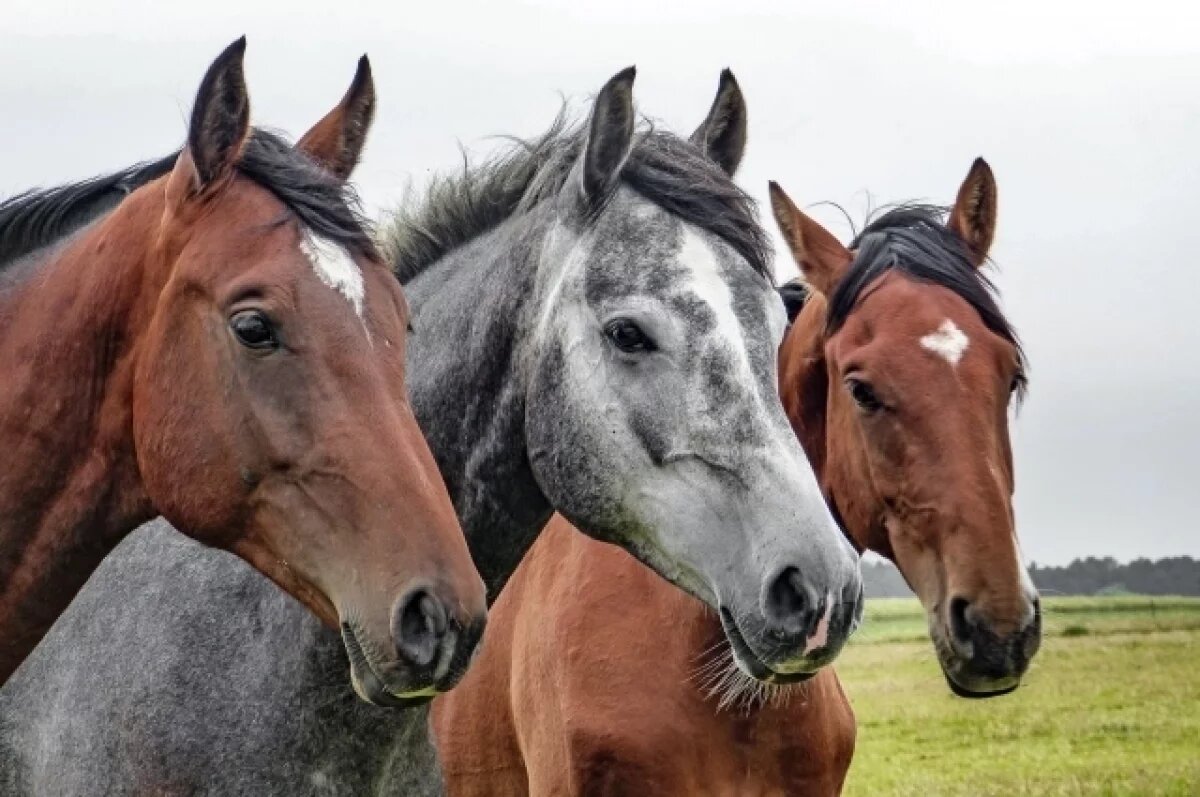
665	169
913	239
328	206
38	218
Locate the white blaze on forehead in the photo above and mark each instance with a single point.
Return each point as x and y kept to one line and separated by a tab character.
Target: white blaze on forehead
572	264
336	268
948	342
710	285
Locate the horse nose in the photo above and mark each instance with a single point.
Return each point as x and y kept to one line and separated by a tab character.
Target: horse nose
992	654
791	606
798	609
419	626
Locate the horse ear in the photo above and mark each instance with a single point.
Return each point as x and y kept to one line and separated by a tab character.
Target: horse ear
974	215
722	135
821	257
220	121
336	142
610	137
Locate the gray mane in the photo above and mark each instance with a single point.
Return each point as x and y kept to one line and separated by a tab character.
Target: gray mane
665	169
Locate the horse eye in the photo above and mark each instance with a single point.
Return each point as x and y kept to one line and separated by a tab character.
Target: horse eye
863	395
254	330
628	336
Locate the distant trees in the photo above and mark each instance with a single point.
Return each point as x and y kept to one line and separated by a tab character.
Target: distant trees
1176	575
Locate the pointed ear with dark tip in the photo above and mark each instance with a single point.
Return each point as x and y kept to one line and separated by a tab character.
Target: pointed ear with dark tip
974	214
610	137
722	136
220	121
821	257
336	142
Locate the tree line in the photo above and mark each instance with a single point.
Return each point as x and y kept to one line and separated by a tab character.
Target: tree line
1176	575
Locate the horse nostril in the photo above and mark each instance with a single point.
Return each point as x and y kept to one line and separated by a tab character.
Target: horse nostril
788	605
418	627
960	626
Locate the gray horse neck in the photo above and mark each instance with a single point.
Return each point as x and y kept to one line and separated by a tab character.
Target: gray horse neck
468	389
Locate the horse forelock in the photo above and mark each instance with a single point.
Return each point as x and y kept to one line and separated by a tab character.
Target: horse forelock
914	240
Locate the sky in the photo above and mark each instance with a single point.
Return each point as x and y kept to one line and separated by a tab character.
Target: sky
1088	112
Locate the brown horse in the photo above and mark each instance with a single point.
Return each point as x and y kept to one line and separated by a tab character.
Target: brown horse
226	349
897	376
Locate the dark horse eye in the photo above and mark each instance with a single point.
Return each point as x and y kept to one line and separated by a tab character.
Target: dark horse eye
628	336
254	330
863	395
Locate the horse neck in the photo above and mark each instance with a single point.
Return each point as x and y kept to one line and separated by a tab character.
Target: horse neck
472	313
69	488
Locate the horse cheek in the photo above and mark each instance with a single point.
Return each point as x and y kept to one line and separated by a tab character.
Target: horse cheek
185	451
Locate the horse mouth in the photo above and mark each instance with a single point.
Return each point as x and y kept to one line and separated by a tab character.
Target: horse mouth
749	662
963	682
370	685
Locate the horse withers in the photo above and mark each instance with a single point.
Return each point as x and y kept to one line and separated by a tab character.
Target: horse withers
900	398
225	348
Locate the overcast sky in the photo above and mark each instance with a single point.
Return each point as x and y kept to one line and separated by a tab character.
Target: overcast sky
1088	112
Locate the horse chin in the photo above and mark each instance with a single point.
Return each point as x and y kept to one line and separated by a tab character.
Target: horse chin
370	686
994	689
748	661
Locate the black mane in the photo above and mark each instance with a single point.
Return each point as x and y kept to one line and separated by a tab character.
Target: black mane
323	203
665	169
914	240
38	218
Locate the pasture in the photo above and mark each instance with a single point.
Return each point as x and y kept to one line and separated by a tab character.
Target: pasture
1110	706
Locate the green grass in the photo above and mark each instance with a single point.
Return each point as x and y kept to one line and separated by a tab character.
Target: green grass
1111	706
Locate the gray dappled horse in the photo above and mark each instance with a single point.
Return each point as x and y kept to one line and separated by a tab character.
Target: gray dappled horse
595	333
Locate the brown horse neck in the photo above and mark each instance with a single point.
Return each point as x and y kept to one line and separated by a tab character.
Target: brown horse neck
69	489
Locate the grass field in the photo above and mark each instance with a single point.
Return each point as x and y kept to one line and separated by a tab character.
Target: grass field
1111	706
